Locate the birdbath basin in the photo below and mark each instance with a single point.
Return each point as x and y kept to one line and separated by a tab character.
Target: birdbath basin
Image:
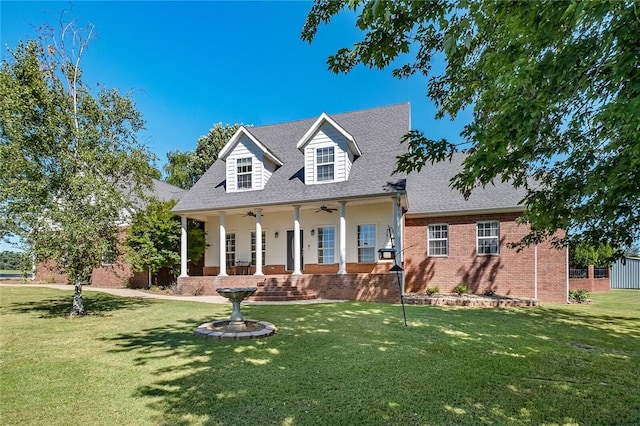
236	295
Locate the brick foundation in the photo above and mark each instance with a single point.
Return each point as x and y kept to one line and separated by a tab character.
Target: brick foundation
366	287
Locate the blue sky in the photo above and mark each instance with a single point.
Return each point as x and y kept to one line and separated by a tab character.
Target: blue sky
190	65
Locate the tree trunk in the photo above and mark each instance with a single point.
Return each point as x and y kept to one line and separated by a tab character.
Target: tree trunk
149	281
78	304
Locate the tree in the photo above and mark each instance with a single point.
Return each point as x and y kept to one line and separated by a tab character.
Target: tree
153	239
633	250
14	260
554	88
71	163
184	168
583	255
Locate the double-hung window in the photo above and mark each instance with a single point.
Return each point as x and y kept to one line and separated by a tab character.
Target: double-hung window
326	244
253	247
439	239
231	249
488	237
243	176
325	161
366	243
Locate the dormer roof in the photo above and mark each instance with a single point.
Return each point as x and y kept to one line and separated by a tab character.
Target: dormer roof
228	148
324	118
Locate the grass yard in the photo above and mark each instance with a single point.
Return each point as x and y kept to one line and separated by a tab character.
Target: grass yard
136	362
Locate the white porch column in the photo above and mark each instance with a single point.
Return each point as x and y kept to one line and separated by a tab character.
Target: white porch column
397	228
258	213
183	247
342	259
397	234
223	246
296	241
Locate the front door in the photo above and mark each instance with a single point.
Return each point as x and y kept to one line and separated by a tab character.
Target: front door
290	251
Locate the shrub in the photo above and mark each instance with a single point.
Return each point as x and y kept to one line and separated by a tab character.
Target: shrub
432	291
581	295
460	289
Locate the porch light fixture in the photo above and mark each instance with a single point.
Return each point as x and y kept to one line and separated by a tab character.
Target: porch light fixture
313	231
386	254
276	234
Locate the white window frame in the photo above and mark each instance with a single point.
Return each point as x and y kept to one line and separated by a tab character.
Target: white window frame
325	162
488	235
230	255
244	168
366	244
326	246
253	247
437	229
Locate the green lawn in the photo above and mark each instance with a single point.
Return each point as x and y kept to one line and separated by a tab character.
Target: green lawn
136	362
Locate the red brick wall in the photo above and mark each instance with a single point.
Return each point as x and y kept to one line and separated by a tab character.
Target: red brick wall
509	273
553	271
591	284
369	287
117	275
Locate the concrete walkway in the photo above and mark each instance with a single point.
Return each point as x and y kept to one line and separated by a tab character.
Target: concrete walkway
129	292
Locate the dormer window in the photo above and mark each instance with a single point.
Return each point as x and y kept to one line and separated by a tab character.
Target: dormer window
325	161
244	170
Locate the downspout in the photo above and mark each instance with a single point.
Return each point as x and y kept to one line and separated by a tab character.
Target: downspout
535	272
566	267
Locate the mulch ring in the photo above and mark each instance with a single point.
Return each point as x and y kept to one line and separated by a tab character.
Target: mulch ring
467	300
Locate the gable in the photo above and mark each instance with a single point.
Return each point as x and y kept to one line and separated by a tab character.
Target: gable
329	151
249	164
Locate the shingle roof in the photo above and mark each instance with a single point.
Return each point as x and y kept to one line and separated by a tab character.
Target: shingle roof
165	192
428	192
378	132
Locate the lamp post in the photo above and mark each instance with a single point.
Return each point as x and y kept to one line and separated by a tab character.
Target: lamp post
390	254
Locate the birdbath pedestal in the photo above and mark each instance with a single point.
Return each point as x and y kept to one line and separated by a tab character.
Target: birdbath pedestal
236	295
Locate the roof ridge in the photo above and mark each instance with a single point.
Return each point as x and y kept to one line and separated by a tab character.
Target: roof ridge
330	115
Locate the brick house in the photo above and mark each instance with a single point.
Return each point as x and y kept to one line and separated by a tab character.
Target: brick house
117	272
320	198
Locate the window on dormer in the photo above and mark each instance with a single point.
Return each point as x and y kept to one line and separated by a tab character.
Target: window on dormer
324	164
243	175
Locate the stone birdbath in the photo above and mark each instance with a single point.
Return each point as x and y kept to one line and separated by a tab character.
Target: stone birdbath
236	295
236	327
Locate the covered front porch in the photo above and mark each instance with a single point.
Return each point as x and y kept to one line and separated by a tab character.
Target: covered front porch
325	249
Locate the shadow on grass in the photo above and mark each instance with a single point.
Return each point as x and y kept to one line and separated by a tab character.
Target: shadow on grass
355	363
95	304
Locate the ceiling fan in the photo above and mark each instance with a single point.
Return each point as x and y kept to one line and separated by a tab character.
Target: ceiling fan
326	209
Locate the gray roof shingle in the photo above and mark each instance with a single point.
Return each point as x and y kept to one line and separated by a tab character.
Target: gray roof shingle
377	131
165	191
428	191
